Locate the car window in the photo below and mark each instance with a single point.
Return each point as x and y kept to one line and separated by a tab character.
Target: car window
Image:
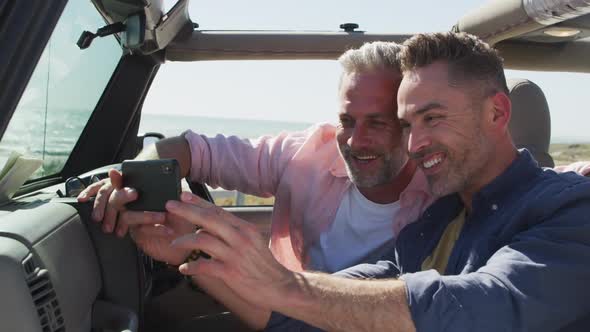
62	92
285	98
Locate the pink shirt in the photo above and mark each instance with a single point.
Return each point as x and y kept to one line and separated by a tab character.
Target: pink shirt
305	173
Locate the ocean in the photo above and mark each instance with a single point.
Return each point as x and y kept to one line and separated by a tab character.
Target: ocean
173	125
52	138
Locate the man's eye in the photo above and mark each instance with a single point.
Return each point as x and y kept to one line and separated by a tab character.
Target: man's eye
346	123
431	118
377	124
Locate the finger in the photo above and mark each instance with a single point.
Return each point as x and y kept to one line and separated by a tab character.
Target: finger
179	224
115	181
197	201
209	267
132	218
109	220
116	178
157	230
211	209
116	204
122	229
213	220
243	227
101	200
203	241
90	191
134	233
150	232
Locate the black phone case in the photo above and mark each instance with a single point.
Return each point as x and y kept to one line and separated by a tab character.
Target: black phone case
156	182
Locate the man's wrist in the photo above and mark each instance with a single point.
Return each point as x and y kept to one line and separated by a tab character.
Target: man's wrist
292	292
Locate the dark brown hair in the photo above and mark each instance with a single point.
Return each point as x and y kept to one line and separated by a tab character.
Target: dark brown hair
469	58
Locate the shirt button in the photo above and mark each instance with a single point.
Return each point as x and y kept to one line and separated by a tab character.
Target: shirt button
494	207
422	234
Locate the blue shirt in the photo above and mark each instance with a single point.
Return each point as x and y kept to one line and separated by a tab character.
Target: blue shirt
521	262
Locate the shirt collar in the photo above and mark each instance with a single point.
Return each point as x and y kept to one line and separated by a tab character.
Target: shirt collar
522	170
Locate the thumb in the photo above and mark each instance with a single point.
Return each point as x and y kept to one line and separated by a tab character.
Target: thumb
116	178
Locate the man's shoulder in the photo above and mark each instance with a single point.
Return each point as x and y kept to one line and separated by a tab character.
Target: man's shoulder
550	184
551	192
325	133
314	136
319	138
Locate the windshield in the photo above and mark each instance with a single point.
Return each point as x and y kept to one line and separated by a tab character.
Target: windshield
62	92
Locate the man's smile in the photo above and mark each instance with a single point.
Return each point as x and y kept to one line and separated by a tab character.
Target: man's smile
365	157
430	164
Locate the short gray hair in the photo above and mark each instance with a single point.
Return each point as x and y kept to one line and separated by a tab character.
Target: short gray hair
372	56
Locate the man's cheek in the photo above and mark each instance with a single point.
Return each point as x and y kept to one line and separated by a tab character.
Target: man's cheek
341	137
405	140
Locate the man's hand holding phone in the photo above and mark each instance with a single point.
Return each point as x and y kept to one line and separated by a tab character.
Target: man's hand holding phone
140	188
156	182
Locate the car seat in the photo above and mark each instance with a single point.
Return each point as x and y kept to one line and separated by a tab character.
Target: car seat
530	124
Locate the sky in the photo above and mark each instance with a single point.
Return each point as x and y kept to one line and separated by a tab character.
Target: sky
306	90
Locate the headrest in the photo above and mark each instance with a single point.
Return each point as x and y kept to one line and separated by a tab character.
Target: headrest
530	125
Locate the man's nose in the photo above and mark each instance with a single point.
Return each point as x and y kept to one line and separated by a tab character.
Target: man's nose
418	140
359	137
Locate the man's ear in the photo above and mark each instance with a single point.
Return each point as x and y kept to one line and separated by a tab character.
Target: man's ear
502	110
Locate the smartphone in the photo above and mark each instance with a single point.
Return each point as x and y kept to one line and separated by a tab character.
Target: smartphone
156	182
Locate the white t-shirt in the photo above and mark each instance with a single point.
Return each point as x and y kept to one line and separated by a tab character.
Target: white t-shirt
360	227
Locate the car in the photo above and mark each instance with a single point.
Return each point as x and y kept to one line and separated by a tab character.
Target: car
77	109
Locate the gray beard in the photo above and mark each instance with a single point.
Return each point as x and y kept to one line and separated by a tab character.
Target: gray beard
391	166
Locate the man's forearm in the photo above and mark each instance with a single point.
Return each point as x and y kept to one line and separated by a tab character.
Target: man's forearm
172	148
341	304
253	316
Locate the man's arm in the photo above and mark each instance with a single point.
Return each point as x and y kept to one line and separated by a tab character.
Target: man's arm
241	259
580	167
252	167
537	282
340	304
169	148
251	314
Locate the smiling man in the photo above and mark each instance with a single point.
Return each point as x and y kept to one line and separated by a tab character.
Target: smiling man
342	192
506	247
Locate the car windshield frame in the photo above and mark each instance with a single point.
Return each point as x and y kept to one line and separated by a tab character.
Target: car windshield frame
48	104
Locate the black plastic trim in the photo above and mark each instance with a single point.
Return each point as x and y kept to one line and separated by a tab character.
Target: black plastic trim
25	28
115	121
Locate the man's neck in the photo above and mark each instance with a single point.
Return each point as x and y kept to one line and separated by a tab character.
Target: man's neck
492	170
389	192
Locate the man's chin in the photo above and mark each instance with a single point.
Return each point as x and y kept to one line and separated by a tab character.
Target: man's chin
368	181
438	186
442	186
362	182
